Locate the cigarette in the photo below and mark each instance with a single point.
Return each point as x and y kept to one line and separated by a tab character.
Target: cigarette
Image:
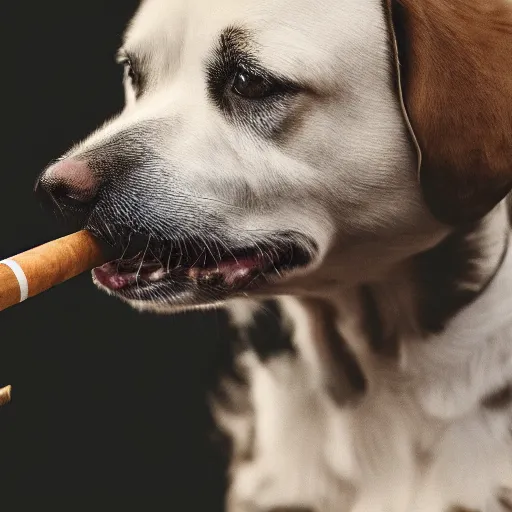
5	395
33	272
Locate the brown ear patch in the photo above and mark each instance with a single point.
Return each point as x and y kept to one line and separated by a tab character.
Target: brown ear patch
456	73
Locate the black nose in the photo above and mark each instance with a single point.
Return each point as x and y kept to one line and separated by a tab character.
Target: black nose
70	187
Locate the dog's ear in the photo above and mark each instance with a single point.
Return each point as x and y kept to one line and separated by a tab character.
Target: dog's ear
455	70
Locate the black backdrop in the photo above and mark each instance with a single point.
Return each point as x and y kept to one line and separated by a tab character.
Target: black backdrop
106	402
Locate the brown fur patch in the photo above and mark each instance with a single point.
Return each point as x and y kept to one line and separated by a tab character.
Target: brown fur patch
385	344
505	500
344	378
449	278
456	58
499	400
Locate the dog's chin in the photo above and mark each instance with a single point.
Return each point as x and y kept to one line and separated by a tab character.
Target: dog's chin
169	278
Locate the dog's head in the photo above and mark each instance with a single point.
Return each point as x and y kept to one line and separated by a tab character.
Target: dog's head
266	147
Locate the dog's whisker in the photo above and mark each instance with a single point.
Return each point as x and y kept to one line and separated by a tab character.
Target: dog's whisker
180	252
259	249
198	258
276	270
219	254
125	250
207	246
169	257
142	262
257	276
186	251
54	200
112	237
227	248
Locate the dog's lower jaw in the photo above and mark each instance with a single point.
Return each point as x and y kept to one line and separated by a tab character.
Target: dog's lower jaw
169	309
420	436
152	273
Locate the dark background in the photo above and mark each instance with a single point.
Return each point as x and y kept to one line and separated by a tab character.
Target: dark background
107	403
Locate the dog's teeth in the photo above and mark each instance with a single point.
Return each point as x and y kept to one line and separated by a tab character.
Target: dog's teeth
212	278
157	275
202	273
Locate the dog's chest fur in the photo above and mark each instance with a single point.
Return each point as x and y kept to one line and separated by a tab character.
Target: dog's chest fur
392	396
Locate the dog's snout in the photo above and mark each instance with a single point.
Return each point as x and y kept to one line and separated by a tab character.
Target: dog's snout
70	183
70	180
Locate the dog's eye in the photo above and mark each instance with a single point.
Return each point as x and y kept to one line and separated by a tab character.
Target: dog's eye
252	86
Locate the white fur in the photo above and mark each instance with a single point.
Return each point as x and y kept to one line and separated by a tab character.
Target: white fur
419	441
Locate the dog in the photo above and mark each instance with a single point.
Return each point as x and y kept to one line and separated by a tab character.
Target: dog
340	168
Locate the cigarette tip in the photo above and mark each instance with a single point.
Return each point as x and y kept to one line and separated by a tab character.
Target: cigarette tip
5	395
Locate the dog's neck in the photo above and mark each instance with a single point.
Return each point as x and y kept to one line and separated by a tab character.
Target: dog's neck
420	302
418	297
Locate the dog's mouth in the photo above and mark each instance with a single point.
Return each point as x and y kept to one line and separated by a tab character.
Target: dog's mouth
164	271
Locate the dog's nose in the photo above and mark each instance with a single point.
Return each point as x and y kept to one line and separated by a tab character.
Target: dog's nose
71	185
